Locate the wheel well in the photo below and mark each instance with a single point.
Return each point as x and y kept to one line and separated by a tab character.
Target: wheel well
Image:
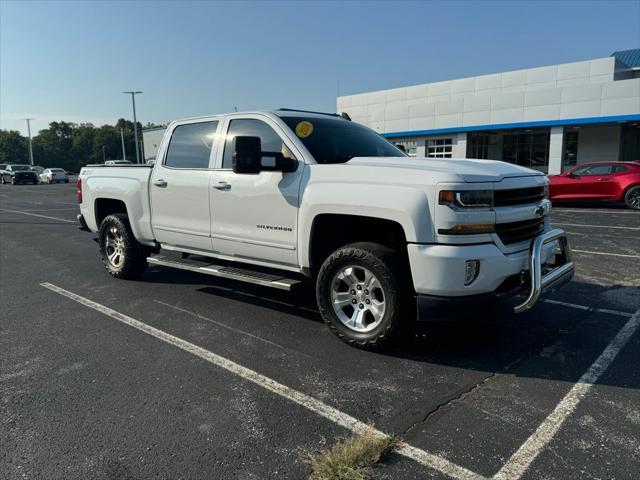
629	188
332	231
108	206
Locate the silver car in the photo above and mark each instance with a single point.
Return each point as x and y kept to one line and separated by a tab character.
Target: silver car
54	175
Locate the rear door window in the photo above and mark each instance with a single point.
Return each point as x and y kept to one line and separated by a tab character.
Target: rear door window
190	145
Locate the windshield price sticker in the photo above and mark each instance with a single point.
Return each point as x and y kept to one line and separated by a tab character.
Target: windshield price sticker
304	129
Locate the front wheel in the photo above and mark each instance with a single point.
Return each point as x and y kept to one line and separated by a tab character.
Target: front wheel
632	197
360	295
122	255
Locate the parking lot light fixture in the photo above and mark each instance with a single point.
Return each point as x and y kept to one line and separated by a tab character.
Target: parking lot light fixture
124	153
30	145
135	122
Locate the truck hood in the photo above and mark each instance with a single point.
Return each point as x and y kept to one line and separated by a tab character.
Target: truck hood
466	170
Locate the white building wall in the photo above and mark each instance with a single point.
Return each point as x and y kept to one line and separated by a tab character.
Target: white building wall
598	144
557	92
556	139
151	140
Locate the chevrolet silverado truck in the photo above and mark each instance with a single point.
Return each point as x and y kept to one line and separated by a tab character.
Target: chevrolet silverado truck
276	198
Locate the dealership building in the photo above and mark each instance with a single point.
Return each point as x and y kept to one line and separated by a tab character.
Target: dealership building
548	118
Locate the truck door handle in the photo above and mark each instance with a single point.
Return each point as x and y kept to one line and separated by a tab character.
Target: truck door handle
222	186
160	183
602	179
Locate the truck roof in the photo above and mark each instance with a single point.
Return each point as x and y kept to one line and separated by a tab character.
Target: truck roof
281	112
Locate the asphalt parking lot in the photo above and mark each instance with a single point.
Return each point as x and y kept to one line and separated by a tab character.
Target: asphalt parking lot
186	376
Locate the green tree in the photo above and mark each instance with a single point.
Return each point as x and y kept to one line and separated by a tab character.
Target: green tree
52	147
71	146
13	147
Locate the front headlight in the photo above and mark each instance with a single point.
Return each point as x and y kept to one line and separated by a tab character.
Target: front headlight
463	199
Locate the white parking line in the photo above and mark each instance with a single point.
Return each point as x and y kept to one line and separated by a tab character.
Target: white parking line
594	226
606	253
342	419
50	209
594	210
586	308
37	215
228	327
520	461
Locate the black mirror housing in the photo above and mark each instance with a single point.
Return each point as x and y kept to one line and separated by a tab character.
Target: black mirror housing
287	165
247	155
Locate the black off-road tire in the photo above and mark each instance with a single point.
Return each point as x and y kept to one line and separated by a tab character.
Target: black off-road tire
135	255
630	197
387	266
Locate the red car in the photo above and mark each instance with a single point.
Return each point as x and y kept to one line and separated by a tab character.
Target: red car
598	181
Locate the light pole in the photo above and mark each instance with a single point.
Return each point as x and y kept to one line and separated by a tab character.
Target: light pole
104	158
30	146
124	154
135	122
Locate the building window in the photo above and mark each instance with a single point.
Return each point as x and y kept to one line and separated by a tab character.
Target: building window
526	149
410	147
570	148
478	146
439	148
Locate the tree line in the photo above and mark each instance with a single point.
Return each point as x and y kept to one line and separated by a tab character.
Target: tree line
71	145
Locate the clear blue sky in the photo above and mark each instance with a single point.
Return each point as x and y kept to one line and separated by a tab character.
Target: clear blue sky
70	60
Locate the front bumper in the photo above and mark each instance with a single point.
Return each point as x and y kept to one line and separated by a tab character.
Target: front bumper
25	178
514	281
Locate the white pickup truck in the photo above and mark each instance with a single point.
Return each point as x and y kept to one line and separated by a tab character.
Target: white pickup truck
274	198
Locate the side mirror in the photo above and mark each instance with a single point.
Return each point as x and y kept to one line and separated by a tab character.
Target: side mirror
247	155
286	164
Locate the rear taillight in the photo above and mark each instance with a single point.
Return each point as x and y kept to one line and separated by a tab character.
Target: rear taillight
79	190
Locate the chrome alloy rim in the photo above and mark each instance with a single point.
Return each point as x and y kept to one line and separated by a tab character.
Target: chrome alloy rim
634	198
357	298
115	247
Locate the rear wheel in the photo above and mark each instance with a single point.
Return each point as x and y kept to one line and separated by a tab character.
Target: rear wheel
122	255
359	293
632	197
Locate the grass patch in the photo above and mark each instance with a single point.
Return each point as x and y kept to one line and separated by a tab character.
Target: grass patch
352	457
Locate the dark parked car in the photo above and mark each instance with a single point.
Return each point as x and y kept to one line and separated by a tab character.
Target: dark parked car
16	174
601	182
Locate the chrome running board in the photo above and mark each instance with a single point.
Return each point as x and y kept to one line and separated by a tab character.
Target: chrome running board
233	273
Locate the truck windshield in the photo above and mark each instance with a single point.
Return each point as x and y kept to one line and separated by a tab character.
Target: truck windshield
335	140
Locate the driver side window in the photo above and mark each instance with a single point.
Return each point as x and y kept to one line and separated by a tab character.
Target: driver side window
269	139
594	170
